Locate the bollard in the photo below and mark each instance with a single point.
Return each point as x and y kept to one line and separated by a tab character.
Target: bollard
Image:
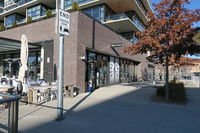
13	117
71	89
154	82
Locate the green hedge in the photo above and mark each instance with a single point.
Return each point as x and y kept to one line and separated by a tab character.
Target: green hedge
176	92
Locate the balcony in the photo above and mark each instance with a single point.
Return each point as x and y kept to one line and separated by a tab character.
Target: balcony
84	4
141	5
24	21
16	4
121	23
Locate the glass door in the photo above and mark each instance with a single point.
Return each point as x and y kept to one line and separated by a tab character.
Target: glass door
91	77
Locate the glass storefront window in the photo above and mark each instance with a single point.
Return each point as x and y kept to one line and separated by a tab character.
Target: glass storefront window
33	64
128	72
98	70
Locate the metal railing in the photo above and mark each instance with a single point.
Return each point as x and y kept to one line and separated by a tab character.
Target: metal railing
9	107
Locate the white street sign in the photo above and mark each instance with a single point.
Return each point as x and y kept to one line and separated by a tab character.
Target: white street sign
63	22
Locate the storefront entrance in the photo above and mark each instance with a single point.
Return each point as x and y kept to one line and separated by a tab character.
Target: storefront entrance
102	70
97	73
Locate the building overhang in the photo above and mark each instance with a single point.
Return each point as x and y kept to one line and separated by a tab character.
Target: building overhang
122	25
8	45
120	6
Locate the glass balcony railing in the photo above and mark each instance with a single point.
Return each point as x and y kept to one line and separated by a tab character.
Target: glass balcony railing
16	4
124	16
116	17
22	2
80	2
21	21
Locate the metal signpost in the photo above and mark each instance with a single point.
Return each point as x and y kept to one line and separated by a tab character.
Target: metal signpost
62	29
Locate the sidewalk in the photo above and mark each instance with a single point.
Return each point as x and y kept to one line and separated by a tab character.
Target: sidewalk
115	109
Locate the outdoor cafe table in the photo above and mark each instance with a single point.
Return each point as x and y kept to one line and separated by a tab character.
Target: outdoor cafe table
33	90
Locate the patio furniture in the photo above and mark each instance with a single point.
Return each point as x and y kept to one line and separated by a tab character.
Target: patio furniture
41	94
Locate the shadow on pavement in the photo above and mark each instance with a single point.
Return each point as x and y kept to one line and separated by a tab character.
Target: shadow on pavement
132	112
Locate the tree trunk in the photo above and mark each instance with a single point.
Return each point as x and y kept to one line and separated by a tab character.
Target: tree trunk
167	78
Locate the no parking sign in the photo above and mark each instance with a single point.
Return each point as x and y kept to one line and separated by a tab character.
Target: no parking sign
63	21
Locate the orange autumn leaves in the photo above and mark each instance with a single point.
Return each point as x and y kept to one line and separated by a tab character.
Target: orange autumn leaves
169	32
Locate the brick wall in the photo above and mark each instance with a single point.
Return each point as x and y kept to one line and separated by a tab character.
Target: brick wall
84	33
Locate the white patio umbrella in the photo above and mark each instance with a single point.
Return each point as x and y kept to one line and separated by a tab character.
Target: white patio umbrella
24	61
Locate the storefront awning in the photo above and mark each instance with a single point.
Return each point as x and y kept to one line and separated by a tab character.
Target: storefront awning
13	45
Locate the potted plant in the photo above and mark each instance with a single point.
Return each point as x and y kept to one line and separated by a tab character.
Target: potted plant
48	13
14	24
29	20
75	6
2	27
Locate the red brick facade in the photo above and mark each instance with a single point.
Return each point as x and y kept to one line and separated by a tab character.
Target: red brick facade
85	33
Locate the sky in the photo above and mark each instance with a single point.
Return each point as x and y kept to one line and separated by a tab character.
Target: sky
195	4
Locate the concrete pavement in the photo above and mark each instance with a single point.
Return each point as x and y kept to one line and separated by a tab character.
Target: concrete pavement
124	108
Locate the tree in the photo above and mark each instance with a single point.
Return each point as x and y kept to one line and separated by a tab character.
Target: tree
75	6
169	34
184	62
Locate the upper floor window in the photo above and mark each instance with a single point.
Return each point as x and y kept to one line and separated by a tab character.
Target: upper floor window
129	36
138	22
97	12
9	20
37	11
9	2
1	3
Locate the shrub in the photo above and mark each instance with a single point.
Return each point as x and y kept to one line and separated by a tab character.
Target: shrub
75	6
29	20
49	13
176	92
14	24
2	27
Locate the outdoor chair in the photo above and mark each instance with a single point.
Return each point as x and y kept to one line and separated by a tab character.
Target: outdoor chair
43	96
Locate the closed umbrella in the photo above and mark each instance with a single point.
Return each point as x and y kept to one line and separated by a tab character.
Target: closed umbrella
24	60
